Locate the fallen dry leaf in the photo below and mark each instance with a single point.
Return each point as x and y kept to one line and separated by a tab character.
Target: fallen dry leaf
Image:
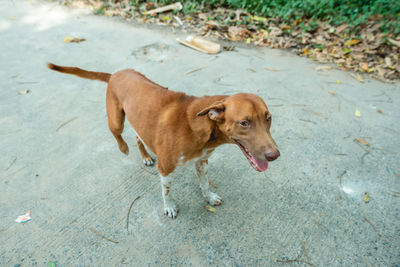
397	43
352	42
210	208
321	68
237	33
362	141
23	92
366	197
379	111
358	77
297	21
357	113
261	19
388	62
70	39
338	82
331	92
341	28
364	66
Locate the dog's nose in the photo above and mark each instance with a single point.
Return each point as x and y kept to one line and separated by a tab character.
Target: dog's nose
272	155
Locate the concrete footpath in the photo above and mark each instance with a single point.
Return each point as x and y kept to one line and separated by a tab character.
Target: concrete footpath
59	160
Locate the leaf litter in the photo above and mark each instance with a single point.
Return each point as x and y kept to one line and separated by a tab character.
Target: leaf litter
367	51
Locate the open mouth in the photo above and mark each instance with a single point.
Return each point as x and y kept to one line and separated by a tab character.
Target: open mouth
258	165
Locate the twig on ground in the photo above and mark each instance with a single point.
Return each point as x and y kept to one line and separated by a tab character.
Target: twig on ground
303	246
178	20
191	71
12	163
103	236
341	176
176	5
271	69
363	156
313	122
367	152
65	123
297	259
288	261
313	112
387	100
373	226
129	212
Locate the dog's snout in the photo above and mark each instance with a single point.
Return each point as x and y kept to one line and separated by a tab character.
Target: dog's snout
272	155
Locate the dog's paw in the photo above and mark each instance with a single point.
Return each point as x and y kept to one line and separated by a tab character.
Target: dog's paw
148	161
214	199
170	209
124	148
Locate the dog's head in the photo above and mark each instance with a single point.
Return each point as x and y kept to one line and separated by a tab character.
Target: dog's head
245	120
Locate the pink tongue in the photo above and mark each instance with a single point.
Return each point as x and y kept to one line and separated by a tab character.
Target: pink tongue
262	165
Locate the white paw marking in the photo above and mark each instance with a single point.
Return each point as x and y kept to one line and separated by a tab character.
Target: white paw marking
148	162
170	209
214	199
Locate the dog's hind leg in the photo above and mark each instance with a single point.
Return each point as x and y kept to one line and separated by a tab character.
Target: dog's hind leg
147	159
116	118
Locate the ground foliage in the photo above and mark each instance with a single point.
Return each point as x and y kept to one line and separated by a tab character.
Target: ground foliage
358	35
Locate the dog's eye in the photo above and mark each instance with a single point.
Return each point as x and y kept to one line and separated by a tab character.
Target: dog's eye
244	124
267	117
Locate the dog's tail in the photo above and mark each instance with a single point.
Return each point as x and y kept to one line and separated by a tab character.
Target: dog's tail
92	75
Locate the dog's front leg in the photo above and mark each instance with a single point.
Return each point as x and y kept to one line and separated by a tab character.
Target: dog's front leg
170	208
201	169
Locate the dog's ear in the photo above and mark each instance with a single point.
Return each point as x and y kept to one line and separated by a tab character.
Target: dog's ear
215	111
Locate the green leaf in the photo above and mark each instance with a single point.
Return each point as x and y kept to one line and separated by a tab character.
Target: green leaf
346	50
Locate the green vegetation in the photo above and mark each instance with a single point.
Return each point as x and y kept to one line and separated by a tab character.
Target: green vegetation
335	12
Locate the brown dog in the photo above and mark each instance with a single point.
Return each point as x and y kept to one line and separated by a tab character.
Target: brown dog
179	128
